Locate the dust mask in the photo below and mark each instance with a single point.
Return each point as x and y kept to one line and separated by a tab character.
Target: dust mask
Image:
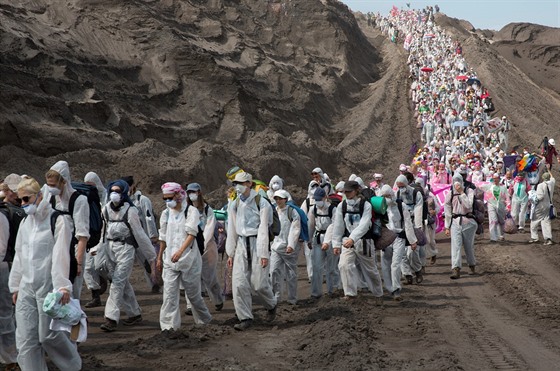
193	197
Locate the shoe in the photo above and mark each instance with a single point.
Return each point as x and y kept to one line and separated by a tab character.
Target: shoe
155	289
109	325
188	312
456	274
548	242
493	241
219	307
472	270
521	230
132	320
419	277
501	238
532	241
95	302
423	270
397	295
243	325
348	298
433	260
408	279
271	314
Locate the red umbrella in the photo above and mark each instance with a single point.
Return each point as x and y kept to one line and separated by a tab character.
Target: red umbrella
426	69
462	78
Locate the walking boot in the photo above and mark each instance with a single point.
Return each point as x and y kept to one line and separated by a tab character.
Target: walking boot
472	270
408	279
95	299
456	274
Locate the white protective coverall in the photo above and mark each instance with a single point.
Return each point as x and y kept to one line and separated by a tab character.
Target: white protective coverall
120	251
91	276
430	229
284	265
355	264
8	353
174	228
80	218
209	258
413	259
148	221
322	260
496	209
519	201
392	256
462	228
247	243
41	263
540	214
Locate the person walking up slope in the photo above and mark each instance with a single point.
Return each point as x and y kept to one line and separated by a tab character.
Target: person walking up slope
247	244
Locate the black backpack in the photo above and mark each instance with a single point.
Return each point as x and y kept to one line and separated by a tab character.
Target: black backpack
15	215
418	189
200	234
95	219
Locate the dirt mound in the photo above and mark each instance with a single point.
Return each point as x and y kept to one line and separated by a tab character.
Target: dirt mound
180	90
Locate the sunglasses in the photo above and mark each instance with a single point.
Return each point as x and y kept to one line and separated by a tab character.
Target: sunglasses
26	198
168	198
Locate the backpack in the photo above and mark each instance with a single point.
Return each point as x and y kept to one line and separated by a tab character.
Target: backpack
335	199
304	232
478	208
200	234
418	189
15	215
329	214
131	240
374	229
274	227
95	219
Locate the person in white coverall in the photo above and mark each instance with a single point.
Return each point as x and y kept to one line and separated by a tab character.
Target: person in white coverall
179	258
498	195
210	256
320	218
357	261
519	192
247	250
460	225
59	183
91	277
392	256
412	263
148	221
276	183
41	263
544	195
8	352
284	248
123	233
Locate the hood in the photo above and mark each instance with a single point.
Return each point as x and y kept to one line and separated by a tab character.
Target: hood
92	177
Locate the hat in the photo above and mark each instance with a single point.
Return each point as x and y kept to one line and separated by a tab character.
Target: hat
351	185
281	193
495	175
317	170
377	176
193	187
551	142
503	117
230	174
319	194
12	181
242	177
402	167
339	186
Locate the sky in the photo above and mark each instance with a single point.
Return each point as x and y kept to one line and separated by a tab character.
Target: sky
483	14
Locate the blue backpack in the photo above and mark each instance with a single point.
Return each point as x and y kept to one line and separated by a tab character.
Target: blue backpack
304	234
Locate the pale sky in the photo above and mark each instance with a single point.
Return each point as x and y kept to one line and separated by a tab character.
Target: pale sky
484	14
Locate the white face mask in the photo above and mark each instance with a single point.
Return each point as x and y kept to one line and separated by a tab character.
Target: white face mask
54	191
115	197
193	197
275	186
171	204
2	195
240	189
320	203
30	209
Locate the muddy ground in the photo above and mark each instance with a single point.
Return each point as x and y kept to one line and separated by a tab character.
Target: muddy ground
506	317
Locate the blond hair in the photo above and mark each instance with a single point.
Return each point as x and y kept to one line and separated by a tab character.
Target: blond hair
30	185
53	174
